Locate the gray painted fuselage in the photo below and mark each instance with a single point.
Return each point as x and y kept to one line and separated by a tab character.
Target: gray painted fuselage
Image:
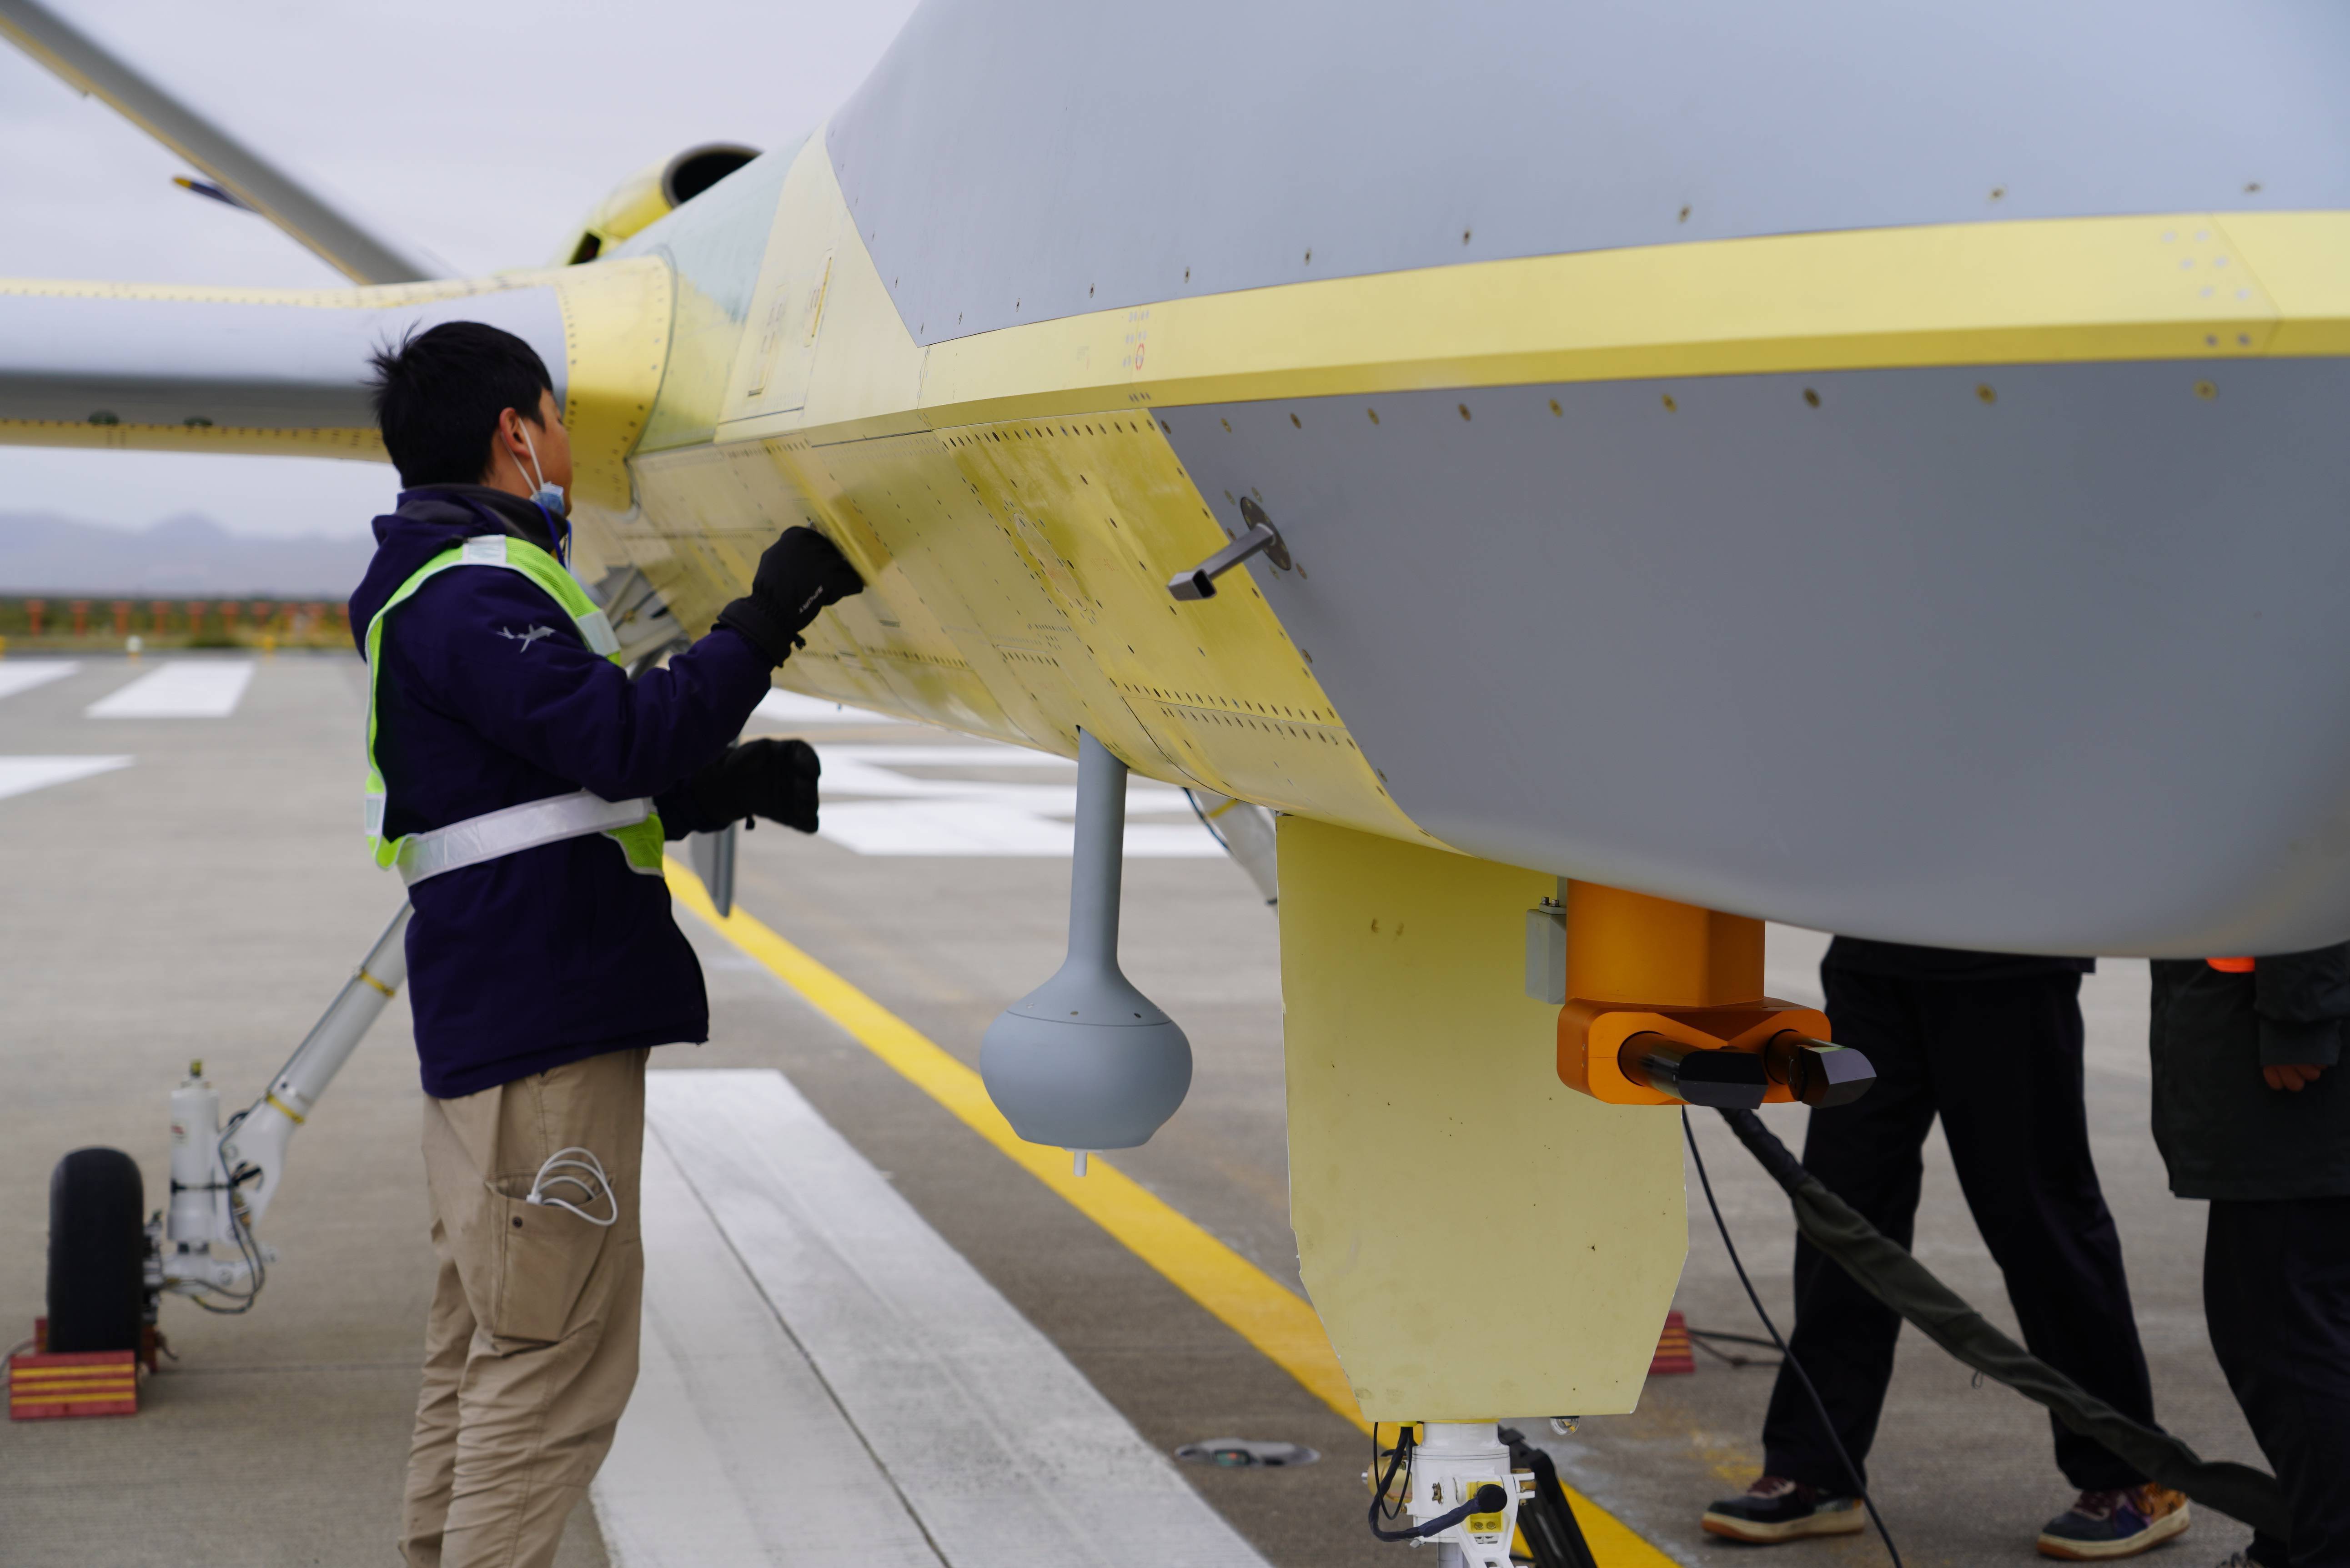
2061	671
1016	161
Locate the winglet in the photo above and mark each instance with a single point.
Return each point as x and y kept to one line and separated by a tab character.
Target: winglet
344	243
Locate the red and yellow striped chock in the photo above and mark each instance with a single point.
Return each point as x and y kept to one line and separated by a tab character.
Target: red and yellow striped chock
1673	1351
83	1382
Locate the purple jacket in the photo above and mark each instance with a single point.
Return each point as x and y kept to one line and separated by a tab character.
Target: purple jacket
561	953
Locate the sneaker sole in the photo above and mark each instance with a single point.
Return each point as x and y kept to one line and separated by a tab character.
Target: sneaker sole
1841	1521
2170	1524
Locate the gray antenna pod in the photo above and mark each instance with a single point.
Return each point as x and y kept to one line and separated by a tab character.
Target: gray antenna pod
1086	1061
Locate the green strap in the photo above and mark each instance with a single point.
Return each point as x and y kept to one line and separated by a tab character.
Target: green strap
642	841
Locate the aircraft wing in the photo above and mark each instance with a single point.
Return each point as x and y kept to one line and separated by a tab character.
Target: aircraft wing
284	371
228	369
341	240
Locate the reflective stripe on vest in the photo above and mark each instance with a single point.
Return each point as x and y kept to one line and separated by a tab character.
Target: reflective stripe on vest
632	823
513	830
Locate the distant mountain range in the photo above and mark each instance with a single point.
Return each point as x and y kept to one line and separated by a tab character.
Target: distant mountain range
43	553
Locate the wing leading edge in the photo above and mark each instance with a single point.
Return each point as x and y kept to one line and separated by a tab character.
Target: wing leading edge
228	369
341	240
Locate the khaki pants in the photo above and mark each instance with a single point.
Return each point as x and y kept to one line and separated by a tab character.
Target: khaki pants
531	1350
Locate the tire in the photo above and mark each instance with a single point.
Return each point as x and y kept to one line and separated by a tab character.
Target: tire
98	1251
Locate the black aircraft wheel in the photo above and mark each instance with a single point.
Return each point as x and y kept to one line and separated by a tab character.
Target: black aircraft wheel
98	1251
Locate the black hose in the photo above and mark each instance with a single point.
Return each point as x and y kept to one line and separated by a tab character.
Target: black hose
1889	1273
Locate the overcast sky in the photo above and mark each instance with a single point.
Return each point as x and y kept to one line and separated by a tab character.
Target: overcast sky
478	131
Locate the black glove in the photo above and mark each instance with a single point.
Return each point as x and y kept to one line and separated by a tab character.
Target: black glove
774	779
799	574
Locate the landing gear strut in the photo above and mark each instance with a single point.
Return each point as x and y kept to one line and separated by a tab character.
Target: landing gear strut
108	1268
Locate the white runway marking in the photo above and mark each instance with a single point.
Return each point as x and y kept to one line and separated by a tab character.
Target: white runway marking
873	806
22	775
183	689
24	674
731	1450
985	1435
793	709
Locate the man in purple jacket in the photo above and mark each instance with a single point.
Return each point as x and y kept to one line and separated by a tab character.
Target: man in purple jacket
522	784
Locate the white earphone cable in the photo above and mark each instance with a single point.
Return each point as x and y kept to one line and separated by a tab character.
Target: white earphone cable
593	1185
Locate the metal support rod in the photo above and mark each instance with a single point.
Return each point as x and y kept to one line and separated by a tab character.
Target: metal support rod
1263	538
346	1020
259	1140
1097	874
1698	1074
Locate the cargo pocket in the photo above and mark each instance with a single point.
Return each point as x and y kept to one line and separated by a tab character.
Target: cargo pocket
544	1256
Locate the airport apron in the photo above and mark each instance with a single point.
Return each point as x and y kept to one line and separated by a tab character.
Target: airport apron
630	824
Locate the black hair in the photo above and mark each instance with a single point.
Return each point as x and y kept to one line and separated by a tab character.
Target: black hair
438	395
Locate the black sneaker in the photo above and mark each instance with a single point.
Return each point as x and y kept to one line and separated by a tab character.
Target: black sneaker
2115	1523
1776	1509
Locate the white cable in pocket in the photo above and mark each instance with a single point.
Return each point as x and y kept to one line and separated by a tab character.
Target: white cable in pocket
592	1183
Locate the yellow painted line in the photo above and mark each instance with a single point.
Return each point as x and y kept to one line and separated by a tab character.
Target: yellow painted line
1246	1299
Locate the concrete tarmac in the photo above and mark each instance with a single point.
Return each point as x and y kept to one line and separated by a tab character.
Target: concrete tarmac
207	899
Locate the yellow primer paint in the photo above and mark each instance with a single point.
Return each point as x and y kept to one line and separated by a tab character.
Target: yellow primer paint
1015	503
616	328
2303	262
358	445
1017	572
1241	1295
1018	590
634	204
2181	286
1478	1237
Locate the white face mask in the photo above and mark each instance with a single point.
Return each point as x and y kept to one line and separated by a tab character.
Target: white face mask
548	494
548	498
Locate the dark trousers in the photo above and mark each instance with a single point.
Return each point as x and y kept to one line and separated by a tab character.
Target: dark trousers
2000	1062
2276	1298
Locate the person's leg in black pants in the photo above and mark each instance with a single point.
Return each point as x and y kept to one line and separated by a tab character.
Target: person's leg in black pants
1866	1153
2005	1059
2276	1299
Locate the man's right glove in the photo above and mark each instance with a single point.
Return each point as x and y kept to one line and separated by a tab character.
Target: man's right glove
798	575
774	779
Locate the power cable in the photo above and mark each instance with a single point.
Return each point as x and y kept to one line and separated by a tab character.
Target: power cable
256	1270
1819	1406
1487	1498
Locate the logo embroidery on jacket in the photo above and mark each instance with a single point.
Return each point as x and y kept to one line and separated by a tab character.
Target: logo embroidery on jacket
527	636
